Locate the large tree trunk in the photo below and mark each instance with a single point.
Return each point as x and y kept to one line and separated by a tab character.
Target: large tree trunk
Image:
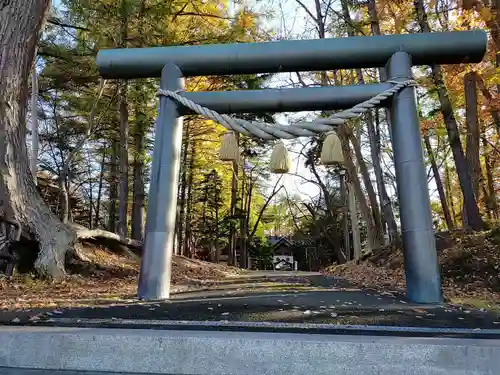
123	109
138	204
473	134
243	215
216	231
181	217
113	186
473	217
449	192
141	127
473	130
20	25
187	250
123	197
439	182
231	257
91	192
100	186
138	199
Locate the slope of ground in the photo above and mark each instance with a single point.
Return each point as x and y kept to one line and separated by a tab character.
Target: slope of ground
469	268
103	278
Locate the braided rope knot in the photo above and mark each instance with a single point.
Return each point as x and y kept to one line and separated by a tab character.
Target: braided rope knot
298	129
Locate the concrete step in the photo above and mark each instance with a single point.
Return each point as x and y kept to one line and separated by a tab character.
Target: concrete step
24	371
32	350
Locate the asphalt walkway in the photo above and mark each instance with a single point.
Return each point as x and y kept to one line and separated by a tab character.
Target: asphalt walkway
263	297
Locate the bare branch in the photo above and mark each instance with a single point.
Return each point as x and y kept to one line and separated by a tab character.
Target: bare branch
57	22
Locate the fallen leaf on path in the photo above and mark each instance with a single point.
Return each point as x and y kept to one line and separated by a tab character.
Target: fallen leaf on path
420	311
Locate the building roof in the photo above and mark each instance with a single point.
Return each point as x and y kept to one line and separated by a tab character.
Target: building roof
277	240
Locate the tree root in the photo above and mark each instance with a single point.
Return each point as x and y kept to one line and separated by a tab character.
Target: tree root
83	233
112	241
66	240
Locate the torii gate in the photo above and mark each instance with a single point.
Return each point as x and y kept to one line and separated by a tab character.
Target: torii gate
397	53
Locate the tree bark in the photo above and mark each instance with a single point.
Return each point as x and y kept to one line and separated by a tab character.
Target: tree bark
231	258
473	131
99	189
189	201
345	217
216	231
243	230
141	127
113	186
473	134
439	182
20	25
449	192
473	216
353	211
181	219
34	123
138	204
123	195
138	195
123	110
64	209
91	192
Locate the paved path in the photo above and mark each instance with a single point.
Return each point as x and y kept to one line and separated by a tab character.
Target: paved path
287	297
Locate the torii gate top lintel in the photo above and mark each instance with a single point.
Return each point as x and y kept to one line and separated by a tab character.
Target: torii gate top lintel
294	55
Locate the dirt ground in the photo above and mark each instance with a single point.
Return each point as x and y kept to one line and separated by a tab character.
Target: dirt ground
469	265
104	278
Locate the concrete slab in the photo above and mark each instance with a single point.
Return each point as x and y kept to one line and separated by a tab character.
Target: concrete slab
243	353
27	371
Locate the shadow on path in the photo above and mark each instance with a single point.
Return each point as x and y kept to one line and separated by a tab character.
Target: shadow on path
292	297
